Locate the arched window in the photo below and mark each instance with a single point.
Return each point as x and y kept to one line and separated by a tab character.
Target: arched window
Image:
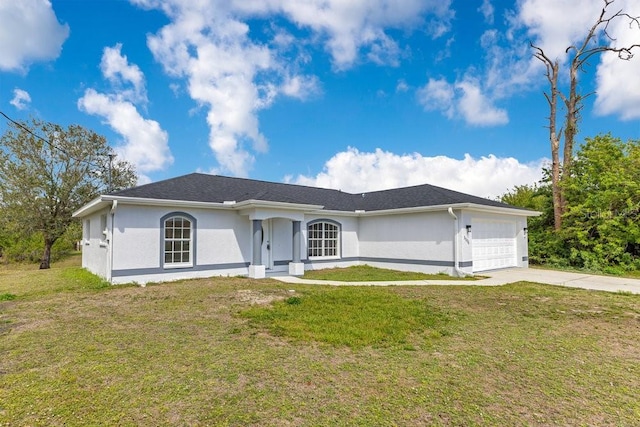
178	241
323	239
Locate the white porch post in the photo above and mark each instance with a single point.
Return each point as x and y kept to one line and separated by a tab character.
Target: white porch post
296	268
256	269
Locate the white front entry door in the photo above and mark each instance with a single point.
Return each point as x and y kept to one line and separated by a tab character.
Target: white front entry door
267	247
493	244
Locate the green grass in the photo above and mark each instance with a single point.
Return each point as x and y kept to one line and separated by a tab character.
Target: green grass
634	274
7	297
237	352
367	273
355	317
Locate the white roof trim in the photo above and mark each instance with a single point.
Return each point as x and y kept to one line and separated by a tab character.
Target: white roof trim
104	201
94	205
418	209
252	203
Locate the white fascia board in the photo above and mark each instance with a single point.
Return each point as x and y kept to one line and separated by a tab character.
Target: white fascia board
500	210
167	202
252	203
336	213
95	205
106	200
468	206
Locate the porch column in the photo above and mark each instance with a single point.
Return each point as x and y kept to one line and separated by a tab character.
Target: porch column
256	269
296	268
296	241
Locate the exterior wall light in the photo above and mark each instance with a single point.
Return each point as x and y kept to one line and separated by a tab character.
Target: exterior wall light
468	229
525	230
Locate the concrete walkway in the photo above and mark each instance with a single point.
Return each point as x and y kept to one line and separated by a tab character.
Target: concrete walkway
502	277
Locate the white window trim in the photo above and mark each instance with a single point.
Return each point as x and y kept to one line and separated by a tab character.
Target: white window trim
177	265
338	239
104	242
87	232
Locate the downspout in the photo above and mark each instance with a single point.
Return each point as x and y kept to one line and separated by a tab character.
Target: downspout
459	272
114	206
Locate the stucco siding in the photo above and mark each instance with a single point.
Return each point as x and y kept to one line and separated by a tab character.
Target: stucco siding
136	237
419	242
223	237
95	249
221	244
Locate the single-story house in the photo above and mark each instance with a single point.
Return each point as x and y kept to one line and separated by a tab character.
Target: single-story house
201	225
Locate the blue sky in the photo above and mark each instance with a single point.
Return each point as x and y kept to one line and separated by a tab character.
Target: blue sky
358	95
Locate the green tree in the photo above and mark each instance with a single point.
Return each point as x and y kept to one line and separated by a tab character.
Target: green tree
601	226
602	222
545	246
47	172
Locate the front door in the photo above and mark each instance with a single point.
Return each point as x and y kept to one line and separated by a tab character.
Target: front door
267	252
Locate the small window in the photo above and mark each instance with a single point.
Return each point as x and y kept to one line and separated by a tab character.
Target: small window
323	239
103	224
87	231
178	242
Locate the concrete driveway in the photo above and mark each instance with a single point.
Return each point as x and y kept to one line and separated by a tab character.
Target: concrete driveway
563	278
502	277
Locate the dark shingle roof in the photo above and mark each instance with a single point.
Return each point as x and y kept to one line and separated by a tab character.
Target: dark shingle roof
199	187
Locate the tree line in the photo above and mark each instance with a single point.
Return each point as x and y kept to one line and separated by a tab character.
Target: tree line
601	223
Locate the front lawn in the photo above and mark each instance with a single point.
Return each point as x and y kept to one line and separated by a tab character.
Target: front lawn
237	352
367	273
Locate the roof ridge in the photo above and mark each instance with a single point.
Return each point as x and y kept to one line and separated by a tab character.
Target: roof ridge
270	182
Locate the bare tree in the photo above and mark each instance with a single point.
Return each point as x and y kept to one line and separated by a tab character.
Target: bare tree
597	40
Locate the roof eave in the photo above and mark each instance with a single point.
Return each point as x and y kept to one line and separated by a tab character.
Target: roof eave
104	201
469	206
93	206
255	203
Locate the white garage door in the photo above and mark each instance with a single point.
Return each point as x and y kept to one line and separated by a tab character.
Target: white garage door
494	244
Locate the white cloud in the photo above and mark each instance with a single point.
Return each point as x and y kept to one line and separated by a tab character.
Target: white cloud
29	32
463	99
555	25
354	171
402	86
487	10
116	68
233	76
618	85
509	67
21	99
301	87
476	108
213	52
438	94
355	26
145	144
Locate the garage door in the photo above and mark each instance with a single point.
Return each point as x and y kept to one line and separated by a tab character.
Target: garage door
493	244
